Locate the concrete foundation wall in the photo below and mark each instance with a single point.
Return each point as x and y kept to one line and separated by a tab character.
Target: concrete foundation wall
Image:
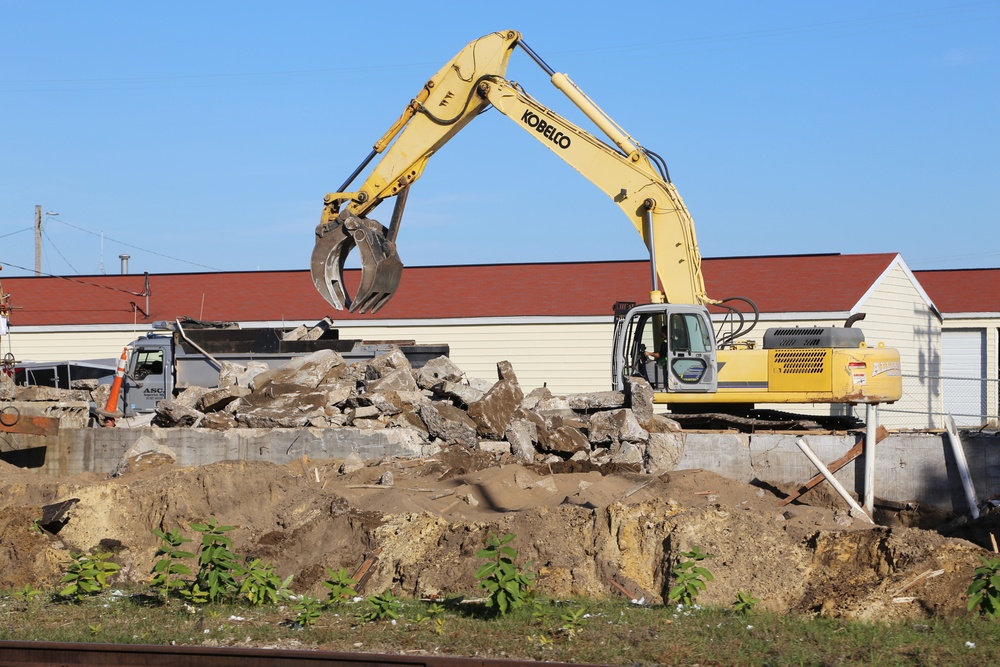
909	467
917	467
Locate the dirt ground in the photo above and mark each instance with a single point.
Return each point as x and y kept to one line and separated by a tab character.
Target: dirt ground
587	531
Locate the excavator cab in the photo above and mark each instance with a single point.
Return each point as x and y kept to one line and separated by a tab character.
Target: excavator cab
671	346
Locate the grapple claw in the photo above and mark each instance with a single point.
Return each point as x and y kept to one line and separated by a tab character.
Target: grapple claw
381	267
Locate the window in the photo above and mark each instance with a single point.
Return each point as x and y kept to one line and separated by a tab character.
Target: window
148	362
688	333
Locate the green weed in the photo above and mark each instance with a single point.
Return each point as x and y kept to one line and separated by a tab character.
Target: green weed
744	603
340	585
382	607
88	574
507	586
984	592
690	577
167	571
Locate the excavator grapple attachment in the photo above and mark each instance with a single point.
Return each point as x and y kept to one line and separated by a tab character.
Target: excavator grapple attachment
381	267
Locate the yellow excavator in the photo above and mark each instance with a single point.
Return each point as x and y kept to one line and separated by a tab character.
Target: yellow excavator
670	341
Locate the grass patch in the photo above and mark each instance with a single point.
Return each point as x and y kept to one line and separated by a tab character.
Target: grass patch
590	631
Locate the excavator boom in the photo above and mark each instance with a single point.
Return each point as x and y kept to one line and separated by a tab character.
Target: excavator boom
470	83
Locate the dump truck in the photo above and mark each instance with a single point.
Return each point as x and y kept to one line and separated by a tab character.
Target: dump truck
164	362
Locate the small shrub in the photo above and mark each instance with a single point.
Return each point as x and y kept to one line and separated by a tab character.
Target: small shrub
262	586
744	603
691	577
384	606
168	570
87	575
194	594
26	594
309	610
573	621
985	589
507	586
340	585
218	566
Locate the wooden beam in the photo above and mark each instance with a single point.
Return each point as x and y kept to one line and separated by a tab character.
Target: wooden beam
852	453
29	425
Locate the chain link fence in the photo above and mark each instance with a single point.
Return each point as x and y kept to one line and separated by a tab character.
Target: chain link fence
928	399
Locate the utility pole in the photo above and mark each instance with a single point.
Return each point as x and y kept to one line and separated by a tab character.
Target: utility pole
38	240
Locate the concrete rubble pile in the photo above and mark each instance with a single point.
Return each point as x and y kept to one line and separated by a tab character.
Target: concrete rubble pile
440	404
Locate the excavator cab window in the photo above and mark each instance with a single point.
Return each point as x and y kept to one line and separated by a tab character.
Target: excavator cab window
688	333
690	339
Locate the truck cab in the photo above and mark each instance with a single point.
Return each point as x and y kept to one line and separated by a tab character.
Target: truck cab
148	375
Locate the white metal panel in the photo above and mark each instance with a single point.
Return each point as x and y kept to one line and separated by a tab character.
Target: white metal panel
963	354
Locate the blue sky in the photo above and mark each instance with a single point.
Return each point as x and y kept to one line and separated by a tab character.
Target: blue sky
201	136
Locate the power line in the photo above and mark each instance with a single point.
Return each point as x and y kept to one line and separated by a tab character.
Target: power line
75	280
59	252
135	247
20	231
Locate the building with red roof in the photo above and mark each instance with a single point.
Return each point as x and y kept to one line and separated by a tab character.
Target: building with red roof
552	321
970	303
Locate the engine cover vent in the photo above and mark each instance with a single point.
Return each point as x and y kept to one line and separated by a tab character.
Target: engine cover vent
806	337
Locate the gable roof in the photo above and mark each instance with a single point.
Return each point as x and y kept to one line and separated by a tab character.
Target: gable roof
797	283
957	291
780	284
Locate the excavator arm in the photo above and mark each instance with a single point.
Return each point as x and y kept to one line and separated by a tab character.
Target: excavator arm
634	178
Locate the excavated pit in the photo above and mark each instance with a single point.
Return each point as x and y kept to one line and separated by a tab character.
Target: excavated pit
586	531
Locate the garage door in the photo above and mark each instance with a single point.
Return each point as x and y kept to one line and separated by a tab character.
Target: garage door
963	354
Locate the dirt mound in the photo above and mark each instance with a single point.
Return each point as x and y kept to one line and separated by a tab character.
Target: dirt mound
588	530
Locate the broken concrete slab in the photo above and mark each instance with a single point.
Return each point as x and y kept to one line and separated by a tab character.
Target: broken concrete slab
393	360
241	376
612	426
338	392
664	450
363	412
39	393
505	371
291	409
627	452
460	393
534	397
191	396
387	402
449	423
219	421
438	370
307	371
397	379
522	435
145	453
219	399
639	397
596	400
494	412
496	447
567	440
352	463
408	418
171	413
